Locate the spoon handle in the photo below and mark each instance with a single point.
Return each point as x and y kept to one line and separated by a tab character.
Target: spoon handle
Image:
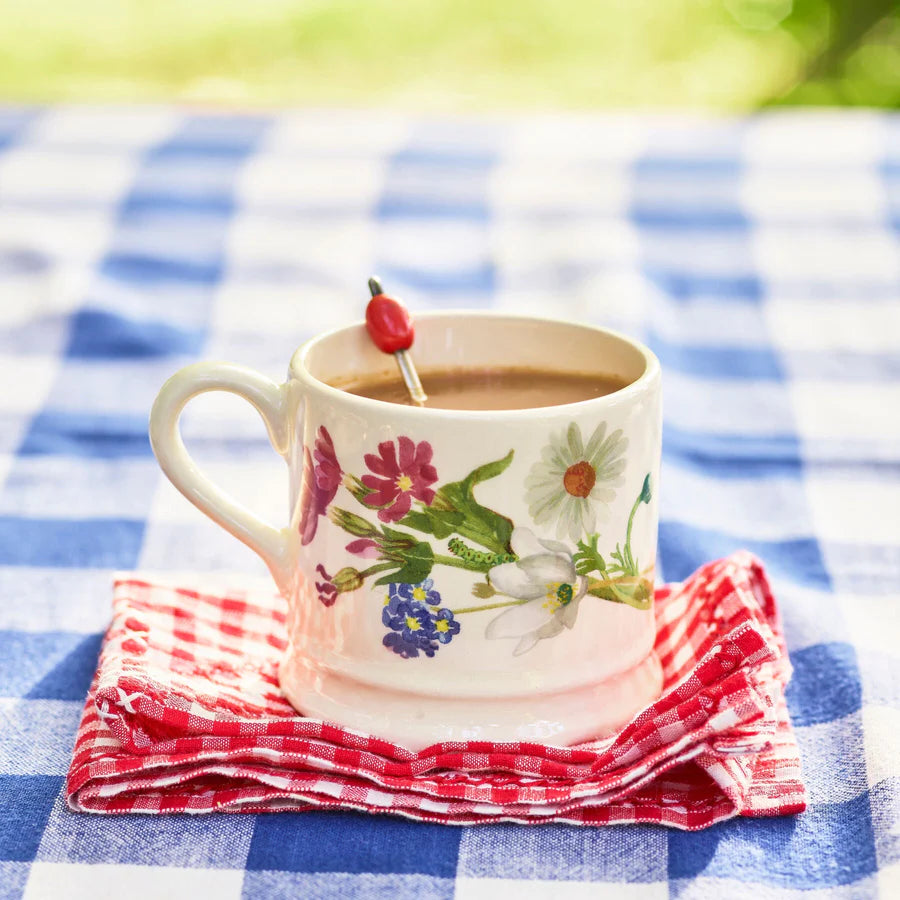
390	326
410	377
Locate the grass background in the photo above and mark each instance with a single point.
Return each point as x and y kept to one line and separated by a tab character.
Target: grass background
454	54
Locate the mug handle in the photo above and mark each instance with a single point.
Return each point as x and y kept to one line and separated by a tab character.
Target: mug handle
272	403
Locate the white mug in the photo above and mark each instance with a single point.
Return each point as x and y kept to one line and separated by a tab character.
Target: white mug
451	574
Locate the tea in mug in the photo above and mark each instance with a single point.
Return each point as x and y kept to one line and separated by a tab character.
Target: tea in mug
491	388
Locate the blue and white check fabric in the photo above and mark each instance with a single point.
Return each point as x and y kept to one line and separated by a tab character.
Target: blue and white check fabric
758	257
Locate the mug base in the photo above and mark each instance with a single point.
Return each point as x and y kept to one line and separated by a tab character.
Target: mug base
416	721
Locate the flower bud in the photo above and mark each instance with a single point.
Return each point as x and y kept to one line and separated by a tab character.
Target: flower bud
351	523
347	579
359	491
397	545
646	495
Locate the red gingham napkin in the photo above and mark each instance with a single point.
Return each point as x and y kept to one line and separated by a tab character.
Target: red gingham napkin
185	715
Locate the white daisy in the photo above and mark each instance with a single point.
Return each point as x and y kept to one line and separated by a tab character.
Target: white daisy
574	482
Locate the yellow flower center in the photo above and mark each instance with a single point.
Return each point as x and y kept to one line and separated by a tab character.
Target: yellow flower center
403	483
413	624
552	604
580	479
442	625
559	594
419	594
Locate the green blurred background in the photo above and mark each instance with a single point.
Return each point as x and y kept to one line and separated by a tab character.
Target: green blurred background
454	54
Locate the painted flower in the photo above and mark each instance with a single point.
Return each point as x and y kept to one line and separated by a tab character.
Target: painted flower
327	590
365	547
416	621
368	537
321	480
574	482
445	626
401	474
545	576
346	579
410	632
423	592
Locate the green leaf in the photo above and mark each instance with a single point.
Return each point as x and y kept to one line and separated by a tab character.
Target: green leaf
587	558
456	511
439	522
418	562
488	470
624	563
470	519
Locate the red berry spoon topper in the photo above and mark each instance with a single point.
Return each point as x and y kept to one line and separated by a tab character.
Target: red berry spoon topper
390	326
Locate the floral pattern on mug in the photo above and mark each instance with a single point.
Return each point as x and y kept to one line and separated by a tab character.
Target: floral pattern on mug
539	584
347	579
401	474
574	482
326	588
545	576
415	620
321	482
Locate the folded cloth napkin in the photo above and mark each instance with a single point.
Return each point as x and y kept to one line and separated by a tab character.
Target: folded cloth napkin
185	715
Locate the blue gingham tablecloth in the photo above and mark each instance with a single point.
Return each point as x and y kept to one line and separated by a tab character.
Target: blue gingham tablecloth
758	257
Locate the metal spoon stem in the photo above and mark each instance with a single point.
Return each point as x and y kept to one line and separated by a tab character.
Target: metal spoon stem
410	377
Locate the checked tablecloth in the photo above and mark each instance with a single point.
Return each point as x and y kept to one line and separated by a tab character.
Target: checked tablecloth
758	257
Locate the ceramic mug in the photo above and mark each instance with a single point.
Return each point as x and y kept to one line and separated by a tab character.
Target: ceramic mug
454	575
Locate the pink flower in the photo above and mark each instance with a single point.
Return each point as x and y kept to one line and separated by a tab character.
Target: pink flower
399	477
320	483
365	547
327	590
343	581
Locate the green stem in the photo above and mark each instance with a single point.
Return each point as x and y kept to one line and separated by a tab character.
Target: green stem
613	582
629	558
458	562
620	598
468	609
378	567
481	536
602	590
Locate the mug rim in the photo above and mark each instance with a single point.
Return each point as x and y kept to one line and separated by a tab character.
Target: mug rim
298	369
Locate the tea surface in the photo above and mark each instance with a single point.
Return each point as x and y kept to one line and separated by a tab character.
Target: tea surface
492	388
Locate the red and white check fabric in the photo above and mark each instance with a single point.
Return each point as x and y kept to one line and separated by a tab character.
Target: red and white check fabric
185	715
